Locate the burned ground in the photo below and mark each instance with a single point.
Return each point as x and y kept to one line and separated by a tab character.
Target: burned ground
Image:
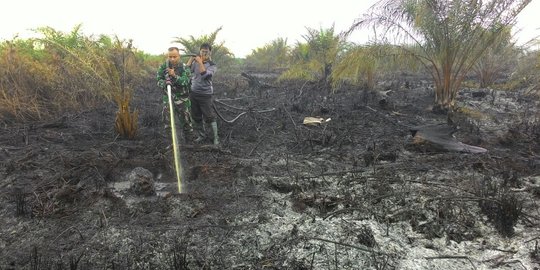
355	192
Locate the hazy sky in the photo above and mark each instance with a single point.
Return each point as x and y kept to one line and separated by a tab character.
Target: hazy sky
246	25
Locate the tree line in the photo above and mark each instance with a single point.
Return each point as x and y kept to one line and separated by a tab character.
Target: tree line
449	40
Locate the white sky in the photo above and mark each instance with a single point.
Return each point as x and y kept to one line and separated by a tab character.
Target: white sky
247	25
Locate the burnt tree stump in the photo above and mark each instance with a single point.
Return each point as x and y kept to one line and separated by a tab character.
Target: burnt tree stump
255	84
440	138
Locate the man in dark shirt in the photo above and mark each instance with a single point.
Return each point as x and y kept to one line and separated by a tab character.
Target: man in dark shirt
202	91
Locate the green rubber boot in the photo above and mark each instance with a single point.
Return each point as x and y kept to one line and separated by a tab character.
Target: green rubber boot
215	132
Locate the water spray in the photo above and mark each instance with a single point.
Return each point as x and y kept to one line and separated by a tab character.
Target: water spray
176	150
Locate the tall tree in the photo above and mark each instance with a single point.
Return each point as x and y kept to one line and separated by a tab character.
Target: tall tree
451	34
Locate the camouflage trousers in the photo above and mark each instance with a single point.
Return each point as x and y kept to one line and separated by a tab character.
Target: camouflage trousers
182	109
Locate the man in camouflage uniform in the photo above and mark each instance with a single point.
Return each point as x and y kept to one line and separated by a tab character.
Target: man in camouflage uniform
179	75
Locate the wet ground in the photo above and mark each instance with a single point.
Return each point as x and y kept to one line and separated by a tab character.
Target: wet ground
355	192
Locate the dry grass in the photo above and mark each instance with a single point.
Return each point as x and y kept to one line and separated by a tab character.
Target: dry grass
125	123
474	114
46	77
35	84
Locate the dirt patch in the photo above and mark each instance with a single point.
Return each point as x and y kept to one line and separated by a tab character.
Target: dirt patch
352	193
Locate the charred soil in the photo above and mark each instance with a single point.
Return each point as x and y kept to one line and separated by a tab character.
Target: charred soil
354	192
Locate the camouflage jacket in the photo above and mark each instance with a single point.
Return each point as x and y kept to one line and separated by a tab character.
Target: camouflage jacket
181	84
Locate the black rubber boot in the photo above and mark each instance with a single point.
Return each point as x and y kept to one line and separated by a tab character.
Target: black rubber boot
199	132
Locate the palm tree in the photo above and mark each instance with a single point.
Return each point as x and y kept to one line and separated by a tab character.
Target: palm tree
220	53
451	35
497	59
273	55
108	67
315	59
